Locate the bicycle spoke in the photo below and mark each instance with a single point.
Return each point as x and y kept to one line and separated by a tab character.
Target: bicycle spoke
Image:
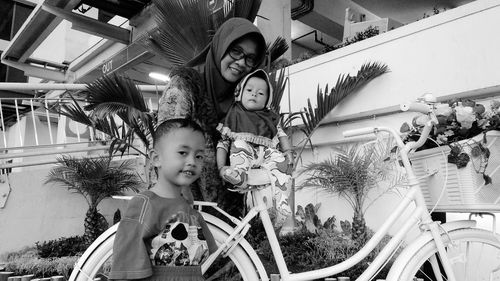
474	255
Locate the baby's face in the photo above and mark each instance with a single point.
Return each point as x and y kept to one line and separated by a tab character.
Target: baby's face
255	94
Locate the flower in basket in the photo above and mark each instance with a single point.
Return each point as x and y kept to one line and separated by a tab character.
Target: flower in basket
458	120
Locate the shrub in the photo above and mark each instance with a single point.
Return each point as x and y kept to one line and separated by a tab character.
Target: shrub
27	261
62	247
304	250
25	252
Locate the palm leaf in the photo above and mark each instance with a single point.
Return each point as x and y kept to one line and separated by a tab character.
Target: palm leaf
117	95
353	171
185	27
94	178
276	50
344	86
278	83
327	101
108	97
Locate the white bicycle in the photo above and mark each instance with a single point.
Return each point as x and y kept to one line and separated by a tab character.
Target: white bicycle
452	251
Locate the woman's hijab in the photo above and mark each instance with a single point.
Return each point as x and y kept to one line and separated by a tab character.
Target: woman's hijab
218	89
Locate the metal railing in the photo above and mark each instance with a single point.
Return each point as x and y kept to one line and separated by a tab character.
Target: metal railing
33	135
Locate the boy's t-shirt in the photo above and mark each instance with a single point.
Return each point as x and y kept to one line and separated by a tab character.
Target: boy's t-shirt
157	231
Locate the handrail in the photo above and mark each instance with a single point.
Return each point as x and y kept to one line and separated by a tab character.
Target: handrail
42	137
68	87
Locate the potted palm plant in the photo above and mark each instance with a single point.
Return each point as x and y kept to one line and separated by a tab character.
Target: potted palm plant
351	173
326	100
95	179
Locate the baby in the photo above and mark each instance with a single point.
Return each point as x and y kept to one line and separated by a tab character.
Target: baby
254	140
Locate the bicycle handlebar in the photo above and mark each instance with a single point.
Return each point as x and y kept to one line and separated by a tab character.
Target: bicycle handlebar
416	107
425	108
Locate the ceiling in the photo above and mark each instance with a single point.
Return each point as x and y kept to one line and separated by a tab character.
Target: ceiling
311	31
320	23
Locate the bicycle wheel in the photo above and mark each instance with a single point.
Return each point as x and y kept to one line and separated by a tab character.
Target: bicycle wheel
473	253
95	263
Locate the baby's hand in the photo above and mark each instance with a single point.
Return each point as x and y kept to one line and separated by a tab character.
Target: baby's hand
230	175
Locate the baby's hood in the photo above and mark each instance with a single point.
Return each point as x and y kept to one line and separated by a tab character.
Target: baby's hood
258	73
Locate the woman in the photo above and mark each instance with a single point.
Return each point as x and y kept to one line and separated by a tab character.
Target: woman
237	48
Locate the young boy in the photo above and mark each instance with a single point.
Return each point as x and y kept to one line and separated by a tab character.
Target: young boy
252	138
161	237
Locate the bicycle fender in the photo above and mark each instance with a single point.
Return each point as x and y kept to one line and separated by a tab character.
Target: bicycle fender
243	243
422	240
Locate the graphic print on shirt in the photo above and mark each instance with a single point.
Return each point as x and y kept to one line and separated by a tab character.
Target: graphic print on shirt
180	243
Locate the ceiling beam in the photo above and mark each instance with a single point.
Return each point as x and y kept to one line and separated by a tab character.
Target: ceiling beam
35	71
34	30
90	25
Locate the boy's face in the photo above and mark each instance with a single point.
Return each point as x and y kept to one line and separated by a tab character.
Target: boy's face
255	94
179	157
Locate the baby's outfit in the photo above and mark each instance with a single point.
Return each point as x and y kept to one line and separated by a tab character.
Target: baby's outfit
251	139
160	239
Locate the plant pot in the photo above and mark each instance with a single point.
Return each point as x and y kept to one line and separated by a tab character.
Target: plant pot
28	277
464	188
5	274
14	278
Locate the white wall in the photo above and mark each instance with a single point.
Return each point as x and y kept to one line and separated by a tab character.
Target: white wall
38	212
452	54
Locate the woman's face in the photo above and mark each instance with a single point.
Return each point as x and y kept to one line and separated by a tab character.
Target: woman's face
233	70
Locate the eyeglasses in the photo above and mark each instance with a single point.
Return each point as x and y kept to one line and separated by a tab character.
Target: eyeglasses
237	54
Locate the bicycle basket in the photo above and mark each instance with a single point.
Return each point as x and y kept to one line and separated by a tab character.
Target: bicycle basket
465	189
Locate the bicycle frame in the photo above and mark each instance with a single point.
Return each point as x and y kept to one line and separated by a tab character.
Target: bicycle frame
419	216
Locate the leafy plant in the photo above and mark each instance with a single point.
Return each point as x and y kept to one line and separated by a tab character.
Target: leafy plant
307	218
107	97
351	173
370	31
95	179
62	247
435	10
27	261
305	251
185	27
327	100
459	122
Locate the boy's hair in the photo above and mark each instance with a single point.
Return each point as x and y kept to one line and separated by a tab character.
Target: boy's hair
172	124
